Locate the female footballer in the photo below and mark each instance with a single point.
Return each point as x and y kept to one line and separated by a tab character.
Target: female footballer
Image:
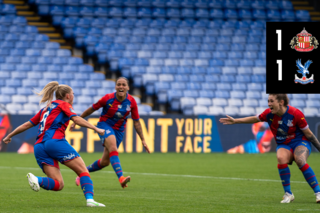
293	137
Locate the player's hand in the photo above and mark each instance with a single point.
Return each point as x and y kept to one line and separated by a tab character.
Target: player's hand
100	131
72	127
227	121
146	146
6	140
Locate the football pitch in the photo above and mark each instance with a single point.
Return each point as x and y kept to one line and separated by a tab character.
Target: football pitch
163	183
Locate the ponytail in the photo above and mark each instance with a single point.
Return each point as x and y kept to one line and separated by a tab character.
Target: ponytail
51	88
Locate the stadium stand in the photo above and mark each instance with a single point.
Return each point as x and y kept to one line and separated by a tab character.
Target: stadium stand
194	57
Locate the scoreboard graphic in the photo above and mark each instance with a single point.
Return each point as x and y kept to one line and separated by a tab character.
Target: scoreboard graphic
293	62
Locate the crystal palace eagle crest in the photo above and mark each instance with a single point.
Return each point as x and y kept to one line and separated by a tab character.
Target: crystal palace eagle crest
304	42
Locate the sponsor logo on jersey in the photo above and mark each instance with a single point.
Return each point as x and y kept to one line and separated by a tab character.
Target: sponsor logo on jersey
303	69
289	123
119	106
119	115
304	42
128	107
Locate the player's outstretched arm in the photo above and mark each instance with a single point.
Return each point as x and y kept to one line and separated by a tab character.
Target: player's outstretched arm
312	138
86	113
246	120
81	122
27	125
137	126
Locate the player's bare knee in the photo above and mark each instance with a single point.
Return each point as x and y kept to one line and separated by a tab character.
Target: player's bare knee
61	185
282	160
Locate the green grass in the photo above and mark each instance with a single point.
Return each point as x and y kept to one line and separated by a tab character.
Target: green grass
163	183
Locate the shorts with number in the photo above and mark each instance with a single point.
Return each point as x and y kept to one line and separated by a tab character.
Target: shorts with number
292	146
51	151
110	131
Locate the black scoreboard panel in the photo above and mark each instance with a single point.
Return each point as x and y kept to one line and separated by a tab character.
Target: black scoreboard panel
293	57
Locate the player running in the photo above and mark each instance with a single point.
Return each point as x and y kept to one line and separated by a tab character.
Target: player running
51	145
293	137
116	107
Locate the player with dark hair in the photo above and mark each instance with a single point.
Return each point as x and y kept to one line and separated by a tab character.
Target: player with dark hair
293	138
51	145
116	107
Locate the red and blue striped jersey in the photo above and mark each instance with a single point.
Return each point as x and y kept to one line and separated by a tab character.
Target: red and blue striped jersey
287	128
53	121
114	112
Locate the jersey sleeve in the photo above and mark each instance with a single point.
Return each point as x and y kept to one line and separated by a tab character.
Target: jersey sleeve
263	116
35	120
101	103
300	120
134	110
67	109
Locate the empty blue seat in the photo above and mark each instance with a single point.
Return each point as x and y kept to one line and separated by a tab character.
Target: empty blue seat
246	63
88	92
273	14
93	84
178	86
50	75
216	13
288	15
237	94
13	82
85	68
39	67
243	79
53	68
13	59
255	87
258	78
44	60
259	14
5	99
8	91
302	15
7	67
8	9
34	75
285	5
222	94
23	67
230	14
77	84
66	76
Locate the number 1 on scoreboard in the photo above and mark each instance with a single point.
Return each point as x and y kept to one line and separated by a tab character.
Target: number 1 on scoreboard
279	62
279	39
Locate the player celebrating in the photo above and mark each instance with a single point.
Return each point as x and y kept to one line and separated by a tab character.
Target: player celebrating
293	138
116	107
51	145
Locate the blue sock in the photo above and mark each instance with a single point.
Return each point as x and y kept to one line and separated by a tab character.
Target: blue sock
285	174
310	177
48	183
115	162
95	166
86	185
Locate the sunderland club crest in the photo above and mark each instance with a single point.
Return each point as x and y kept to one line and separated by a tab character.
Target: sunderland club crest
303	69
304	42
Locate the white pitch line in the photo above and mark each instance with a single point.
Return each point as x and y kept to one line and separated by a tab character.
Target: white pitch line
165	175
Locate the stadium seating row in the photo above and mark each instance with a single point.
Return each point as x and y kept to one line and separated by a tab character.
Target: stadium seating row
142	12
141	25
230	4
